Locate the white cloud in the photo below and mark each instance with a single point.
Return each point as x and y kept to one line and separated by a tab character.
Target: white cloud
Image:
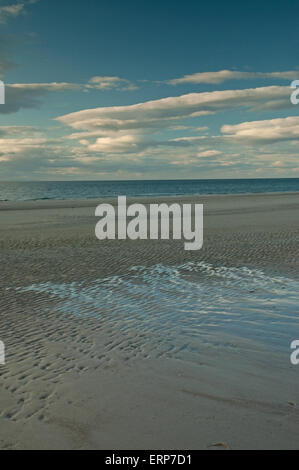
95	83
17	130
53	86
152	113
14	10
11	11
114	144
110	83
131	129
11	147
187	139
126	141
28	95
267	131
225	75
209	153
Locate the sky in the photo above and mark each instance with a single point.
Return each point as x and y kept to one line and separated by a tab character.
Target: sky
126	90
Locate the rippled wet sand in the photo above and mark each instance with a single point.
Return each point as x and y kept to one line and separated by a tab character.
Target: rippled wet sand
182	348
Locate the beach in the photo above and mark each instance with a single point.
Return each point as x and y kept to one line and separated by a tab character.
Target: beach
125	344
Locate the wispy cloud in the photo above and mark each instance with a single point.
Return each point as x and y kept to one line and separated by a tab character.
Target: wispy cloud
129	141
267	131
110	83
226	75
13	10
153	113
133	133
28	95
7	131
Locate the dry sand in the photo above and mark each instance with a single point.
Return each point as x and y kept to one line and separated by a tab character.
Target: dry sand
71	382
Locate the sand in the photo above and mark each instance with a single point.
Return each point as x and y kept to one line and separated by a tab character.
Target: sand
72	382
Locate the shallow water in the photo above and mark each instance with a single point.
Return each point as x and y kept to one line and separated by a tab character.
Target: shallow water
187	305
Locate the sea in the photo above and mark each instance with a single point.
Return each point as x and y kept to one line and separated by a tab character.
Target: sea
68	190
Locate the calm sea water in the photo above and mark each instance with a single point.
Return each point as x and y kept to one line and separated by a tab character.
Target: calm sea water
24	191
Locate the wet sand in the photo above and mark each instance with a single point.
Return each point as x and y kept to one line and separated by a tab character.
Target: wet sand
72	382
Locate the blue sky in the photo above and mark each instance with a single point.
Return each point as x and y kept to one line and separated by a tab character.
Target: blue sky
148	89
